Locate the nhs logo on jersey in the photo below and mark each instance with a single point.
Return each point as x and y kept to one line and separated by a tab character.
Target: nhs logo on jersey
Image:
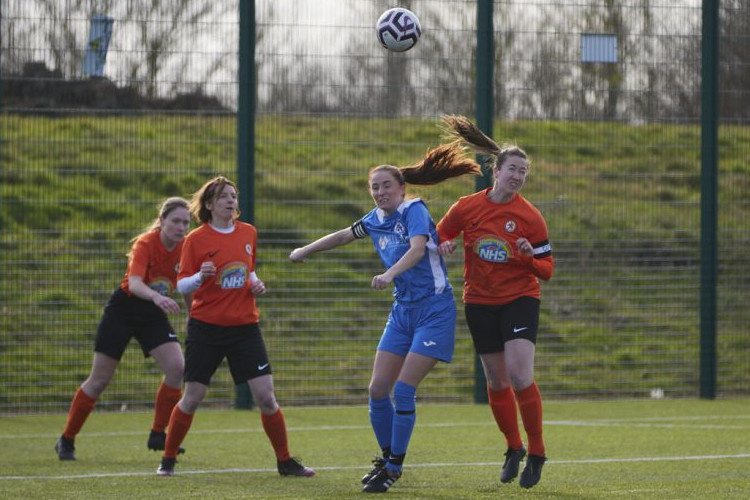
492	249
233	276
162	286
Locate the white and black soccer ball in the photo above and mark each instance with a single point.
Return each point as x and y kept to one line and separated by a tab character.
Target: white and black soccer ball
398	29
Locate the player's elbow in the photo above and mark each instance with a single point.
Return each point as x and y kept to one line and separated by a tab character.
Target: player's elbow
546	273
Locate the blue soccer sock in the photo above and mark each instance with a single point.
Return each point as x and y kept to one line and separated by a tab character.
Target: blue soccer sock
403	423
381	419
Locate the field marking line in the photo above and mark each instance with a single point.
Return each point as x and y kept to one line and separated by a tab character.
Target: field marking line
635	422
416	466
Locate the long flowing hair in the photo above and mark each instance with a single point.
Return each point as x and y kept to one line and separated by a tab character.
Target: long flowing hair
443	162
460	128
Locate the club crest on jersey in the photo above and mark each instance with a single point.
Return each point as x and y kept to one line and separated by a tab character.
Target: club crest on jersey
510	226
492	249
248	249
232	276
161	285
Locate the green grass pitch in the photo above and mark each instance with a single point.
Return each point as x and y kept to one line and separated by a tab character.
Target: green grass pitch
645	449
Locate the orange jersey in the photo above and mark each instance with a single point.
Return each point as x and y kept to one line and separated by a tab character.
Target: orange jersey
495	273
156	265
226	299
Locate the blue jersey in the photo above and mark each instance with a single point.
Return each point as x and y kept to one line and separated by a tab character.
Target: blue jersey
391	234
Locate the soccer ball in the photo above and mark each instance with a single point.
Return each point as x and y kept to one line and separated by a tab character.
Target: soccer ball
398	29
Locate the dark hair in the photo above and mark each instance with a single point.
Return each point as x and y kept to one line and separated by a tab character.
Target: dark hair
210	192
462	129
443	162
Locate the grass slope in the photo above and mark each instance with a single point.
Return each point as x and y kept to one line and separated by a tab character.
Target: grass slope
622	203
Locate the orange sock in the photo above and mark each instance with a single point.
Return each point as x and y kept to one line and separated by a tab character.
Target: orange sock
530	405
80	408
166	398
179	425
503	405
275	427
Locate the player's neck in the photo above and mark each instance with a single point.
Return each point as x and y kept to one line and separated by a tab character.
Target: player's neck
499	196
221	223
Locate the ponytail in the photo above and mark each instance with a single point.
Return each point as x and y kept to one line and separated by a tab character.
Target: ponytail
460	128
444	162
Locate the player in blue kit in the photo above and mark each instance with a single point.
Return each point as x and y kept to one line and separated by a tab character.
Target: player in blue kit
420	329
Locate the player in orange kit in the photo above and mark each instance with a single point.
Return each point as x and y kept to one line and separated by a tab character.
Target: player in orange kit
506	253
218	270
138	308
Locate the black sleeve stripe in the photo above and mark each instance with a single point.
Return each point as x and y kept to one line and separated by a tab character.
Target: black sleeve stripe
542	249
359	230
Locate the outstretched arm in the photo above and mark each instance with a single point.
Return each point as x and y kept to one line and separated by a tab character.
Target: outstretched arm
333	240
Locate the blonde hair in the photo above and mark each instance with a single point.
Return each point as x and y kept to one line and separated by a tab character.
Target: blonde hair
165	208
210	192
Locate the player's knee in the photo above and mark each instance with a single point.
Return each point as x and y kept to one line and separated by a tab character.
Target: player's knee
190	403
192	397
94	386
173	373
266	401
521	381
378	390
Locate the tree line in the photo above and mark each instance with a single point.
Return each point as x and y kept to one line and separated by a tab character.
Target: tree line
310	59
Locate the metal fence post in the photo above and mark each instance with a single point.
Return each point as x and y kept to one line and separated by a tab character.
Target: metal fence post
246	140
709	194
485	114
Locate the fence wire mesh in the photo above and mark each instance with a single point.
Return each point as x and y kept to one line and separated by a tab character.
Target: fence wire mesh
84	162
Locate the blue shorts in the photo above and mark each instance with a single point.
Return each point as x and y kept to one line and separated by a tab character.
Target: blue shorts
428	328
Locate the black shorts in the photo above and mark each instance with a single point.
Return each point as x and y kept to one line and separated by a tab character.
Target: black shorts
126	317
207	345
492	326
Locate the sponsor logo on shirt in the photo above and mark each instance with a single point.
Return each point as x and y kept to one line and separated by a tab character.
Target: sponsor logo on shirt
492	249
232	276
161	285
397	237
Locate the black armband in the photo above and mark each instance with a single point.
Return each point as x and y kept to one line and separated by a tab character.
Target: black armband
359	230
542	249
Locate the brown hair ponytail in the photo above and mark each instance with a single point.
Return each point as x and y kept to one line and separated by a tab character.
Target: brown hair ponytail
444	162
462	129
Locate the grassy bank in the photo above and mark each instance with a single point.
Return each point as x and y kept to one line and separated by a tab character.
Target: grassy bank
622	203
